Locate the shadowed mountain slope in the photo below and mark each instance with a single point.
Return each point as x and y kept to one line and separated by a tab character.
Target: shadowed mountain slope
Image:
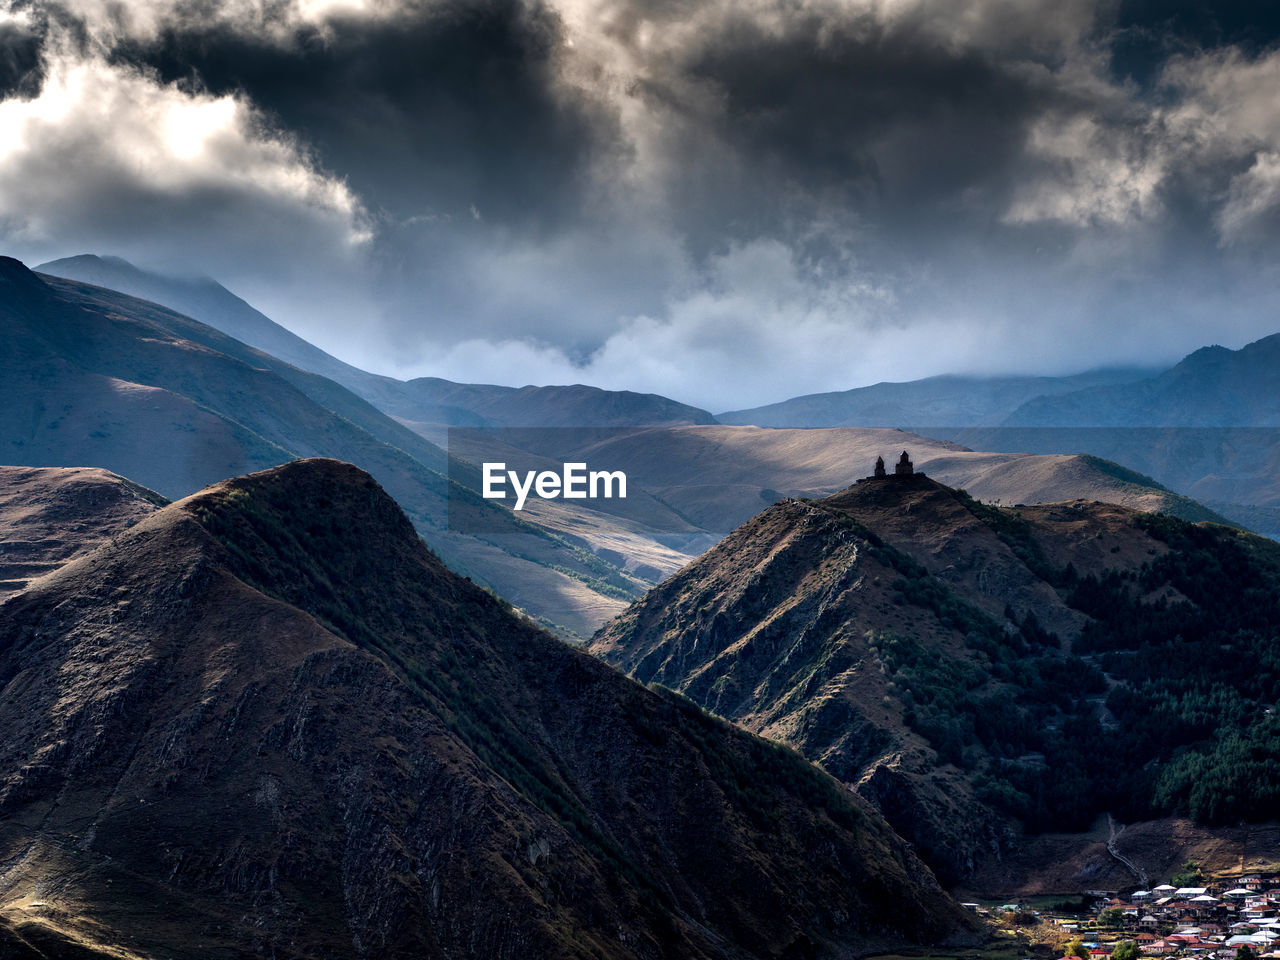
210	302
576	405
99	378
266	720
426	400
1213	387
966	665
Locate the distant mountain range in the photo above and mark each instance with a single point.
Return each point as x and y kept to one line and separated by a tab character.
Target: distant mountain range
427	403
951	401
1213	387
1208	428
267	721
985	675
99	378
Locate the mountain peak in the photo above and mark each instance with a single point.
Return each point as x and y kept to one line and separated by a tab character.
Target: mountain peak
317	533
100	270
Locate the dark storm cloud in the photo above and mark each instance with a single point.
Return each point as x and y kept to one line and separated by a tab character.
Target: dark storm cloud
453	125
442	108
884	127
21	69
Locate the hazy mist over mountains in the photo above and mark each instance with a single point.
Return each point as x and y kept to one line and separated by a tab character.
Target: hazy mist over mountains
727	204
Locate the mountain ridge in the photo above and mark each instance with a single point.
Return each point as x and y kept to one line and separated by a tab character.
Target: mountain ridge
429	401
928	649
946	400
1210	387
314	746
102	378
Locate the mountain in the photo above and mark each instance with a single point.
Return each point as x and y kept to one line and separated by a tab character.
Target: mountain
967	667
935	401
689	486
427	403
557	406
99	378
696	481
208	301
1212	387
266	721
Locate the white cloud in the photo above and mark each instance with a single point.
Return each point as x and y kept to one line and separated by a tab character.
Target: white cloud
108	159
1093	172
1253	202
1229	102
759	327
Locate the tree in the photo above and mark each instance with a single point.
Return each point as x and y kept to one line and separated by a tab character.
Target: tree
1190	875
1111	917
1075	948
1245	952
1126	950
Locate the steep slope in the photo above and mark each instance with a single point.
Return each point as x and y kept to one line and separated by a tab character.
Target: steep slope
427	401
266	720
965	666
1213	387
49	516
942	401
99	378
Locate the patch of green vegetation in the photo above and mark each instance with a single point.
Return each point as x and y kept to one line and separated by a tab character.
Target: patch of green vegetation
1198	692
1199	678
955	706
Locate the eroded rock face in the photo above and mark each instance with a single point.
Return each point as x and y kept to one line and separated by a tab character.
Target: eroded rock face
265	719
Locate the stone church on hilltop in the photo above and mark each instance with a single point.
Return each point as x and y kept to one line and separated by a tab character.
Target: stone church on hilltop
903	468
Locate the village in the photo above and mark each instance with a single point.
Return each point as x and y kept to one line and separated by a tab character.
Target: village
1234	920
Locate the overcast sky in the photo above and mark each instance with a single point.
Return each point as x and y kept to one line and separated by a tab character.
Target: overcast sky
725	201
